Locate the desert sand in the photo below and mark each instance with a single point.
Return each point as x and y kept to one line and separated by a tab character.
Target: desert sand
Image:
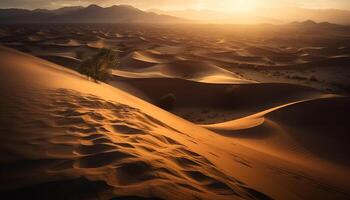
257	115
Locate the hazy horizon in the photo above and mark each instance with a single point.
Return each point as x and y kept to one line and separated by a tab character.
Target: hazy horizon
211	12
244	6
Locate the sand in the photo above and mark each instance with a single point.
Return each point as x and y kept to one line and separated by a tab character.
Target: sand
62	128
231	134
257	53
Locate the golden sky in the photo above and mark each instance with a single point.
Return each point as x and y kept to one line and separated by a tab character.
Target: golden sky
222	5
238	5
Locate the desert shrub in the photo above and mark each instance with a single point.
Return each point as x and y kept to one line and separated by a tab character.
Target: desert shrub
167	102
100	66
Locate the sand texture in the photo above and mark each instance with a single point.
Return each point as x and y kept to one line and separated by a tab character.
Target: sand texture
244	125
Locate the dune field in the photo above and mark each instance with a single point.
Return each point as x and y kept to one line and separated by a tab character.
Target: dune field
204	58
255	112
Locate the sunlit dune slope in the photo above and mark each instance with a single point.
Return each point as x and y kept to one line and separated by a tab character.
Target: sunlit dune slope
64	137
150	64
58	127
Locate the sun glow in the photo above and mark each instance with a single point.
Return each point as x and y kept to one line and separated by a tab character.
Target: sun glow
227	5
240	5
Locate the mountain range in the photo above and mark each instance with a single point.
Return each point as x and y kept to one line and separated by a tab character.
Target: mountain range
90	14
263	15
129	14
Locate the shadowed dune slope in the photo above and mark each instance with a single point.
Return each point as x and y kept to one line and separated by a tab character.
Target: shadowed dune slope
326	119
305	130
197	97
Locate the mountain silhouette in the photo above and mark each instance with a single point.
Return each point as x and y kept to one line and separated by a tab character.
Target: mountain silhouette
90	14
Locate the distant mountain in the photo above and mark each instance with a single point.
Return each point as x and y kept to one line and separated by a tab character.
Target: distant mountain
67	9
312	26
90	14
264	15
129	14
317	15
220	17
311	23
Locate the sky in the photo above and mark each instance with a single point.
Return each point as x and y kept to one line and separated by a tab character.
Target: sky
220	5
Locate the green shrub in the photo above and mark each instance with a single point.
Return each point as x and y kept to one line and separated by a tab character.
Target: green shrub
167	102
100	66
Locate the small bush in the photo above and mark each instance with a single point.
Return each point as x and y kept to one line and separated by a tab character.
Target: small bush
99	67
167	102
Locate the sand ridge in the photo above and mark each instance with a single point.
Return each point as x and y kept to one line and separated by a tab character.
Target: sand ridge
294	139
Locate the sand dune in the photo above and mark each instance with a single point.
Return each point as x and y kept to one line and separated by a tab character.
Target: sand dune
153	64
262	120
73	128
153	56
66	61
189	69
223	101
331	120
301	132
135	60
261	53
85	136
300	128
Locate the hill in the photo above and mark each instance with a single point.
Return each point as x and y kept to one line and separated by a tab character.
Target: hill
90	14
265	15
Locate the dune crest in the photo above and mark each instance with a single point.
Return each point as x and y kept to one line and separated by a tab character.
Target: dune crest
288	131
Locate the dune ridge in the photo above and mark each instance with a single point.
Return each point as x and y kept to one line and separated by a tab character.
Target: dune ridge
291	140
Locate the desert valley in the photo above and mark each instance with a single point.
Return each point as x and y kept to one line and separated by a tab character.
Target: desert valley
189	111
